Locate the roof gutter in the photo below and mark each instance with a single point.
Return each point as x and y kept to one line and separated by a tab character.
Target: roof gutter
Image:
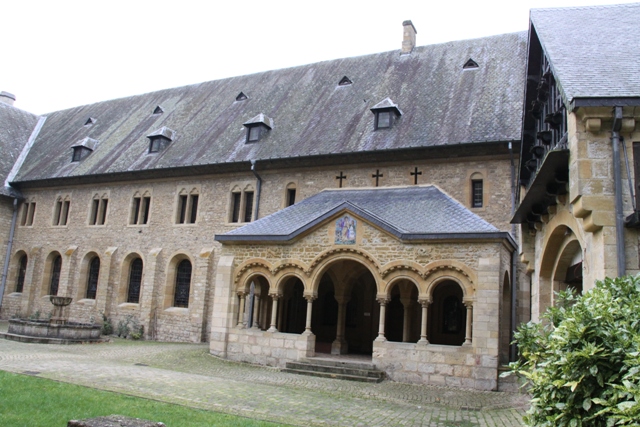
5	269
258	188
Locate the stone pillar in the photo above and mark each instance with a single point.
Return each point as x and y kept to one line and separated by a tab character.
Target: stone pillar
148	292
256	307
340	345
105	283
307	328
65	286
467	335
274	313
406	321
199	294
31	290
423	324
383	306
242	298
222	312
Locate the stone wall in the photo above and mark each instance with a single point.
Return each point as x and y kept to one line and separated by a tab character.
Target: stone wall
161	240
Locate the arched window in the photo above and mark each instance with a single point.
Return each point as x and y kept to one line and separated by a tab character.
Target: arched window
92	279
135	281
56	265
447	315
183	284
22	272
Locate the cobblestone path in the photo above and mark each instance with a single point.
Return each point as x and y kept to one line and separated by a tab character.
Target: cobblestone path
186	374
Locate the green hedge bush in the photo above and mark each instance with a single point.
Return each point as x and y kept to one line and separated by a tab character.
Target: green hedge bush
582	363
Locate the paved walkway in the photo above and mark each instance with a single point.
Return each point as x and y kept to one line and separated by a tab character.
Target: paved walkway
186	374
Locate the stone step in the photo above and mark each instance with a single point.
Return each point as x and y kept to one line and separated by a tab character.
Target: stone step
339	363
333	375
353	371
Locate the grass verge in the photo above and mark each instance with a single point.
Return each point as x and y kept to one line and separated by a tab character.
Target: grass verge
27	401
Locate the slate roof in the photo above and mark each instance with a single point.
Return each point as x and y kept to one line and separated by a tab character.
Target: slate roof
312	115
16	126
416	212
593	50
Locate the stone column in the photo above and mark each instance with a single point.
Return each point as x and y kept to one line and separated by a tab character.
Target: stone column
222	318
307	328
383	306
31	289
106	282
151	276
406	306
467	335
242	296
423	324
199	294
340	345
256	306
274	313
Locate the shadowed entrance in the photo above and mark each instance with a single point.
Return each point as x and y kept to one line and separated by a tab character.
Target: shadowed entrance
346	313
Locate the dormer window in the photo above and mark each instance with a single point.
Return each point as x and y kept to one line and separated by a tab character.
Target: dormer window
258	127
241	97
83	148
158	110
470	65
386	112
345	81
160	139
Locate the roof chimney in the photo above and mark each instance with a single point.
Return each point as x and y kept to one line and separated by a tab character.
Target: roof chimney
7	98
409	37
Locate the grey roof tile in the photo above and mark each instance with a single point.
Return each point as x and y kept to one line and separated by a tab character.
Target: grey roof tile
15	129
593	50
407	212
441	105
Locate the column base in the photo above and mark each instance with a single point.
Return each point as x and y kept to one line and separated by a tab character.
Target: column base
272	329
423	341
380	338
339	347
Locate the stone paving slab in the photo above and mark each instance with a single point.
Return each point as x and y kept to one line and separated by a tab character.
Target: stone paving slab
187	374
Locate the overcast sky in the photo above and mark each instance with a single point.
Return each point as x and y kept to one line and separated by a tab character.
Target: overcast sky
60	54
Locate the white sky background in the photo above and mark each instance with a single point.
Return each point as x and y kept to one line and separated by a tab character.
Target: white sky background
60	54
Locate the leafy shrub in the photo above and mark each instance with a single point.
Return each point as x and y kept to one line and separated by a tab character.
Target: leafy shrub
583	364
123	327
107	326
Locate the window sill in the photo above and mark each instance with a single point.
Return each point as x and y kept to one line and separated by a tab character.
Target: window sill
86	301
15	295
129	306
177	311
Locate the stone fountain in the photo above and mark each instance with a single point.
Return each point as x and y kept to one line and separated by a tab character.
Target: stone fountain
56	330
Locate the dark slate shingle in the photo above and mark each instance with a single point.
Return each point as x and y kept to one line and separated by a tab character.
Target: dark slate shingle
441	104
403	211
593	50
16	126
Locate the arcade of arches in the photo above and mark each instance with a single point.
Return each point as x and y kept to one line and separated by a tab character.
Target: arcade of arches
346	313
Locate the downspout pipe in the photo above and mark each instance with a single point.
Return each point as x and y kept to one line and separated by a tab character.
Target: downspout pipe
617	176
5	269
514	258
258	187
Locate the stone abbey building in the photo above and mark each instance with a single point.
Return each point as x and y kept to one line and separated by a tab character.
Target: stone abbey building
410	206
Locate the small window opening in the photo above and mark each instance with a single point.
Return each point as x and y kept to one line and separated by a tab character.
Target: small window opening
22	273
135	281
241	97
98	211
90	121
345	81
140	210
28	212
470	64
55	275
291	196
248	206
235	214
92	279
80	153
158	110
187	209
61	213
253	134
476	193
383	120
183	283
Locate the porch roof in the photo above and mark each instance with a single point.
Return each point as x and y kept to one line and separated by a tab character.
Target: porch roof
409	213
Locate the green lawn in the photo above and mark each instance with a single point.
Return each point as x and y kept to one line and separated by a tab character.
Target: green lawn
38	402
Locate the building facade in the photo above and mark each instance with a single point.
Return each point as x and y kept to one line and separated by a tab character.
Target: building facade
354	206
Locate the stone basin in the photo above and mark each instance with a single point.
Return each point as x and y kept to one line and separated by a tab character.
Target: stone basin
42	331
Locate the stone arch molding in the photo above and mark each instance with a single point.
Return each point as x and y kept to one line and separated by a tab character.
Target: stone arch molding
439	271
